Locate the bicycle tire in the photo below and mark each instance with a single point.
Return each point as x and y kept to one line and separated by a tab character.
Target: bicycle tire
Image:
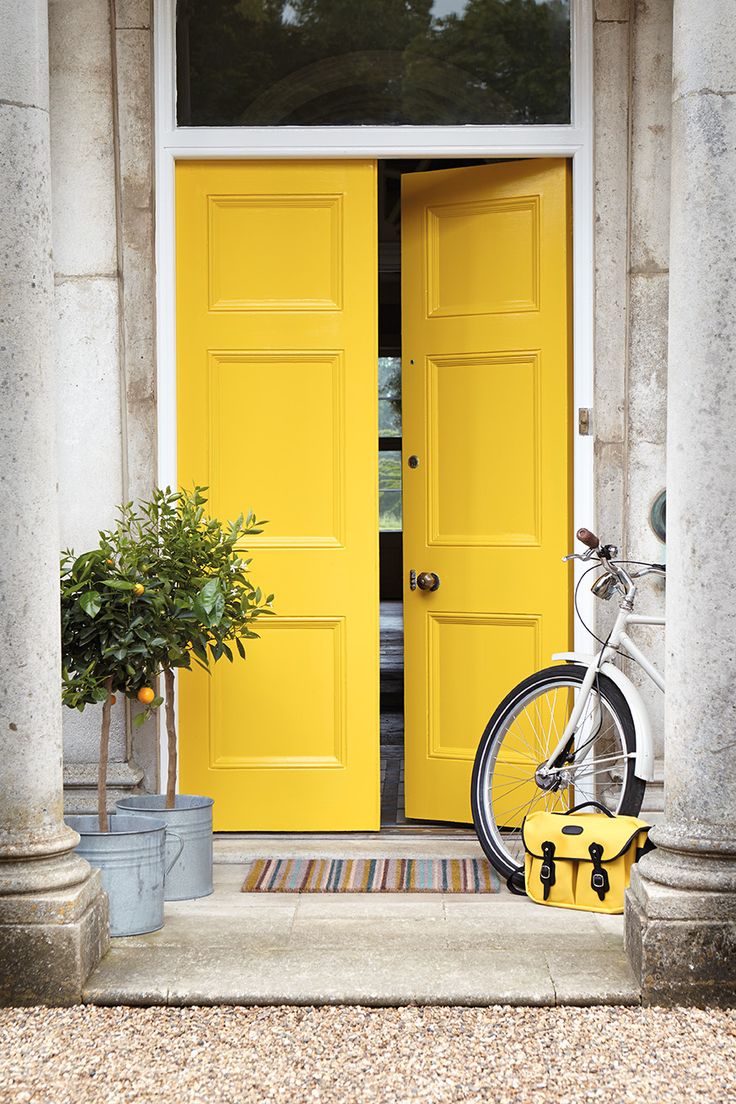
567	675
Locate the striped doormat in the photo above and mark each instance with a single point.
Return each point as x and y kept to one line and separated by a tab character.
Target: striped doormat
371	876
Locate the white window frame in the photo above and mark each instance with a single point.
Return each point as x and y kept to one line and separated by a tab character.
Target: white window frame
574	141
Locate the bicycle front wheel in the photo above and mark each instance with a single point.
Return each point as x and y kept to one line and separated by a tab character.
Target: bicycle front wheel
509	776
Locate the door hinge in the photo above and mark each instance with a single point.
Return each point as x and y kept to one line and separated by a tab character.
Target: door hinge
585	421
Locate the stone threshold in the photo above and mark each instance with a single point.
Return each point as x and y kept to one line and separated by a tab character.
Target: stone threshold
380	845
364	949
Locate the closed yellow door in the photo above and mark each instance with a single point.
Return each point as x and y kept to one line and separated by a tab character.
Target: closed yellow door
277	410
486	409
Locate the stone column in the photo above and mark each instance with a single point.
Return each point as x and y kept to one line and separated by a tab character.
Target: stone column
681	908
91	283
53	913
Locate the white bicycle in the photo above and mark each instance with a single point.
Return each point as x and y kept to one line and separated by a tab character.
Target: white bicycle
576	732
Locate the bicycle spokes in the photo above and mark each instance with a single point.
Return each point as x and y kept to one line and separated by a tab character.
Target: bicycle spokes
523	778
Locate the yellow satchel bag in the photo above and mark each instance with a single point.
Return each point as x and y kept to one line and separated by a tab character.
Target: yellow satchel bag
582	860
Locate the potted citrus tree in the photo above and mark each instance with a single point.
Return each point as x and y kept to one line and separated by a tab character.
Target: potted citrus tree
107	625
205	609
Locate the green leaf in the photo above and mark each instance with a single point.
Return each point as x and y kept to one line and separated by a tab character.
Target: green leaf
218	609
67	591
200	613
241	649
91	603
209	594
118	584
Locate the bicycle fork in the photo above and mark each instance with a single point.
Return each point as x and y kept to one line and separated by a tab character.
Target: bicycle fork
568	734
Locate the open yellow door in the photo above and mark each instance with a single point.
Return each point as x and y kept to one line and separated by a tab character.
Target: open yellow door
277	410
487	455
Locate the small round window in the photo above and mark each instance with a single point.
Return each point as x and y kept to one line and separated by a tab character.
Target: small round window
658	516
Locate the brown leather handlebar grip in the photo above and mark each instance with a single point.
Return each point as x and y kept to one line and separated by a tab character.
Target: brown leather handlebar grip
588	538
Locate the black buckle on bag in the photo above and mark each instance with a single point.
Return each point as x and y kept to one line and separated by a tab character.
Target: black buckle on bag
547	869
599	878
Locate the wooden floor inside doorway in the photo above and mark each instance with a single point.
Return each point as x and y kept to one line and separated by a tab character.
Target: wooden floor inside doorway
392	715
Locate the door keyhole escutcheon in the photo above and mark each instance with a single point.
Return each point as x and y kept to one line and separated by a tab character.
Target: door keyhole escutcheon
428	580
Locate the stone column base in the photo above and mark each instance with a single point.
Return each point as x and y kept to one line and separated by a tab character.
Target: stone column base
681	943
51	942
80	785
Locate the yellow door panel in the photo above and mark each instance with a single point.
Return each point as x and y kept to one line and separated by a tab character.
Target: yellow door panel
277	411
462	649
486	408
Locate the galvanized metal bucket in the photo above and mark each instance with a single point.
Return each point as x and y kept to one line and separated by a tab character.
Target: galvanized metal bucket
190	875
131	858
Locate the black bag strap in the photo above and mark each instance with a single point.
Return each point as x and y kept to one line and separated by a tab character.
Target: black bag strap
595	804
646	847
516	882
547	874
599	877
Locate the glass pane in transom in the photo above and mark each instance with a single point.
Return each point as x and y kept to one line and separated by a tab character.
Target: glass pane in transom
379	62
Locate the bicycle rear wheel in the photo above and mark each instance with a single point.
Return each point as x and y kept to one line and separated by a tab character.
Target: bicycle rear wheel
598	765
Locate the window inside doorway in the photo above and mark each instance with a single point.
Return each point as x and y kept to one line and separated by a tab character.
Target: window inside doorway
389	443
372	62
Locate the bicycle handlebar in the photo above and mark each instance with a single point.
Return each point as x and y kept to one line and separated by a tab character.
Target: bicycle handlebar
587	538
607	556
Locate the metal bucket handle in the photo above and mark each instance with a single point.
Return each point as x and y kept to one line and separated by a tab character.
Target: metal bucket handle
175	859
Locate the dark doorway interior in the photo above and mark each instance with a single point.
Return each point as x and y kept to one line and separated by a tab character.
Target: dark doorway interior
390	539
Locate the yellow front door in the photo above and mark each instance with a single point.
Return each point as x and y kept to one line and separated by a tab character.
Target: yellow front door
487	446
277	410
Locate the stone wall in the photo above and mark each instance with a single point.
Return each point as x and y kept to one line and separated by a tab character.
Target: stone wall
633	93
102	180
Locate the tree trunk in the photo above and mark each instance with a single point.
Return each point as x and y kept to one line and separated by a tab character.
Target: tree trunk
171	737
104	751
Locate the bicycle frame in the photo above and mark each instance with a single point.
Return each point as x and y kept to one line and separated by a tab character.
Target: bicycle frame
622	641
619	641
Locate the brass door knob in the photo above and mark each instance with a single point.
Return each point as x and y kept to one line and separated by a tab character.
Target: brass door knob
427	580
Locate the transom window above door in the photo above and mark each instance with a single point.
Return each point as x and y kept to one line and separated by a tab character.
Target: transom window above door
372	62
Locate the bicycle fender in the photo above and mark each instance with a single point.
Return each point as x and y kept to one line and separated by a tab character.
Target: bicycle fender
642	724
586	658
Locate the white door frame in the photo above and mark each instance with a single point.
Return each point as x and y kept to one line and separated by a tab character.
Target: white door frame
575	141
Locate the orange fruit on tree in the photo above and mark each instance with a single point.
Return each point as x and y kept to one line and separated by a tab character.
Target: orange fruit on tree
146	695
138	589
113	699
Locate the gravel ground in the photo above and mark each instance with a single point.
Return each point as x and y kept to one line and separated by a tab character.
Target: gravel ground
346	1055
